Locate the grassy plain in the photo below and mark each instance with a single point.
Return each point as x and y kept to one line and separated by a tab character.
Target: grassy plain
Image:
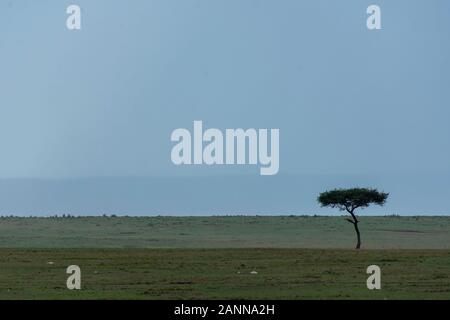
213	258
225	232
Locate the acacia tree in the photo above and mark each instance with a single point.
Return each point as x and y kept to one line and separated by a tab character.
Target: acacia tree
351	199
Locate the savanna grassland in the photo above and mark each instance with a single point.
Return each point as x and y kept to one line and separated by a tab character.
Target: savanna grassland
289	257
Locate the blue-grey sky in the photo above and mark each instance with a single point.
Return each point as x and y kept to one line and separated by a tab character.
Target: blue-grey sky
349	102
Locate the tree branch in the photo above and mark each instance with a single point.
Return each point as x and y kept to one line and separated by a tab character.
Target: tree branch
352	214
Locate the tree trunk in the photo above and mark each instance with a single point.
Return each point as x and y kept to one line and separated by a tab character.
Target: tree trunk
355	224
358	245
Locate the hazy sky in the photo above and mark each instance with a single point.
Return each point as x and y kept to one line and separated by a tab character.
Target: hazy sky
103	101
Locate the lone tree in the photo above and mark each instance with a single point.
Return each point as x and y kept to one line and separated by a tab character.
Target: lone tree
351	199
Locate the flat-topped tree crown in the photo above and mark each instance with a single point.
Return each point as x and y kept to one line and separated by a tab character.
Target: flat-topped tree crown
351	199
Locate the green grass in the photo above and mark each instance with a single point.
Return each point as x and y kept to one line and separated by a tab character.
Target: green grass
212	257
225	232
224	274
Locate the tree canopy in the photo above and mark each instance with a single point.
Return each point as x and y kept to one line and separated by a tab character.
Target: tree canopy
351	199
